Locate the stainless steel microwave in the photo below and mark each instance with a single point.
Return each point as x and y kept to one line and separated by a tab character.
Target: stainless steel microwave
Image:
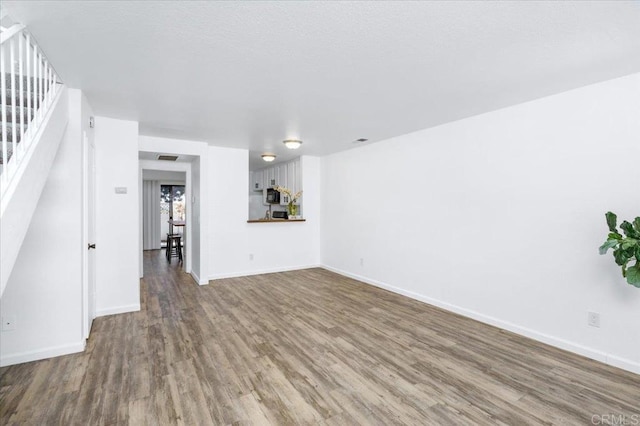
273	196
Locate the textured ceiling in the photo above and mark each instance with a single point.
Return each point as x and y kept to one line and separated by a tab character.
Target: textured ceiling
250	74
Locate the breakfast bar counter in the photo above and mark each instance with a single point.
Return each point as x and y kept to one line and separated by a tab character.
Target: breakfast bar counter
275	220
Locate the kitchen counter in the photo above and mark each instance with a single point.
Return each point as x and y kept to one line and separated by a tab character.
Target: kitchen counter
274	220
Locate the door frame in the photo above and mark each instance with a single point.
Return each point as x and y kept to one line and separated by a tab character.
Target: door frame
88	285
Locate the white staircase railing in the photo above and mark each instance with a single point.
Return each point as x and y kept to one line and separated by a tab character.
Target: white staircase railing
29	85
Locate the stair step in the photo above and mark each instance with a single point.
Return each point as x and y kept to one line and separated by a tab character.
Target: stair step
7	80
8	97
9	153
10	138
25	112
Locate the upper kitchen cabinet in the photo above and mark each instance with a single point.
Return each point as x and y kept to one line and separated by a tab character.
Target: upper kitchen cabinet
257	180
286	174
270	177
294	183
281	174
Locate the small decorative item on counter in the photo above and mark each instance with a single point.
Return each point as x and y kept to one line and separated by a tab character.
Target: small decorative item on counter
292	207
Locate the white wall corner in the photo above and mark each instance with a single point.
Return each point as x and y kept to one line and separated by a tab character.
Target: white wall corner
261	271
197	279
118	310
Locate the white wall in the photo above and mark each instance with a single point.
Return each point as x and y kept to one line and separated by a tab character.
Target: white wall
499	217
117	217
257	209
44	292
275	246
164	176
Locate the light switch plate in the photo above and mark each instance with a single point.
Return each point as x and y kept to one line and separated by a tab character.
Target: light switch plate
121	189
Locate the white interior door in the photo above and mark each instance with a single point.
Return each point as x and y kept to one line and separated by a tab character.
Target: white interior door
89	271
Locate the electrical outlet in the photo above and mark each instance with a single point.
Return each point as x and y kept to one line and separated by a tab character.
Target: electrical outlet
9	322
593	319
250	256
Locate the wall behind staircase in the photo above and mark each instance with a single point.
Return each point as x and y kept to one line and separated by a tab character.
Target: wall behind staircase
44	291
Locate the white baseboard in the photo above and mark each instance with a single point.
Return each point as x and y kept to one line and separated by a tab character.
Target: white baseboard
39	354
196	278
623	364
261	271
118	310
585	351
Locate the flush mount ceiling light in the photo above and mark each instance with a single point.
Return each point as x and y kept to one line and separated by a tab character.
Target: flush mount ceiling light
292	143
268	157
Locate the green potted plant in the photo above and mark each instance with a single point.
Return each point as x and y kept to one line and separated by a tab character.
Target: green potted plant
291	199
626	248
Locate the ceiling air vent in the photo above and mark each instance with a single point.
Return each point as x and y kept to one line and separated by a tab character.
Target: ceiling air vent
168	157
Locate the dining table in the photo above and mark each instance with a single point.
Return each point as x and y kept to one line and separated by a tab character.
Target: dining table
178	223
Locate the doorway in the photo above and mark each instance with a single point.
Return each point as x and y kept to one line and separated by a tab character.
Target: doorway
194	172
165	191
164	195
173	205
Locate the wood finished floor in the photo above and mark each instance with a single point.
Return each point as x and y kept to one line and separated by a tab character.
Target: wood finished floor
305	347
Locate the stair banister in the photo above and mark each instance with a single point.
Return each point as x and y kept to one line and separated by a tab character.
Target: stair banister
34	116
26	73
4	112
14	136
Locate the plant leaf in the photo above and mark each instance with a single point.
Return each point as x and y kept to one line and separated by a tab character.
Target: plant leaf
621	256
636	224
607	245
633	275
629	243
612	221
628	230
614	236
